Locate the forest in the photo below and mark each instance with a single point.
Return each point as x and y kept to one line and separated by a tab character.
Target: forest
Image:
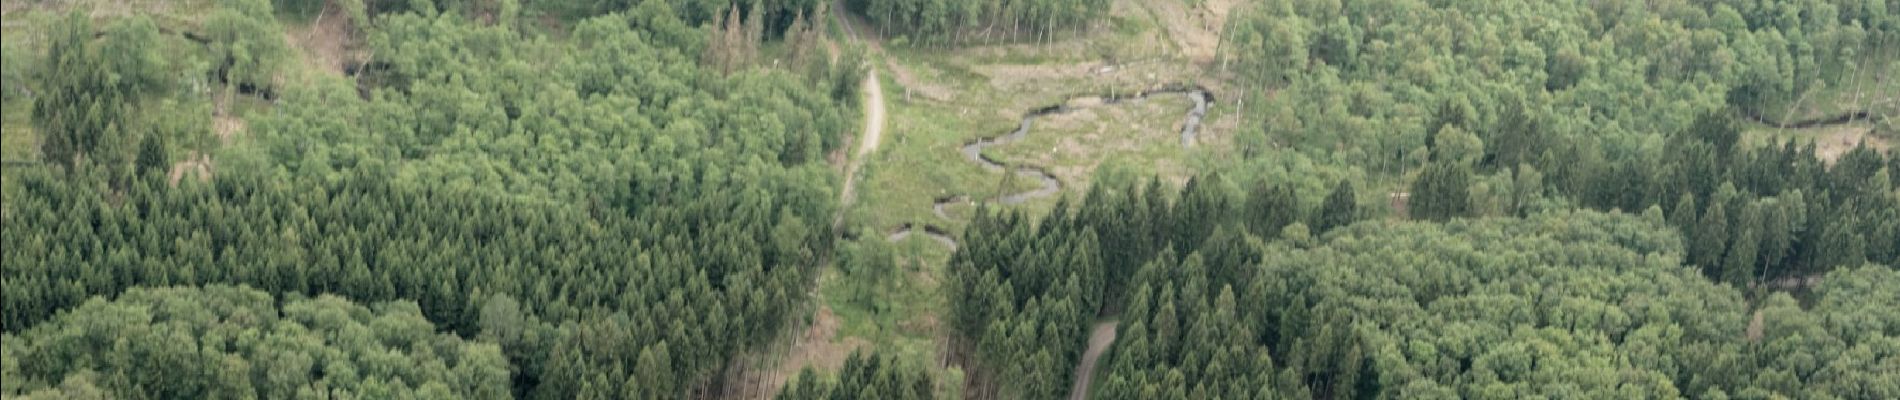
961	22
594	216
661	199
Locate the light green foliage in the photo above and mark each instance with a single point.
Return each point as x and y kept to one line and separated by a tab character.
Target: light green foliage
16	71
246	44
482	107
1362	84
234	342
1845	345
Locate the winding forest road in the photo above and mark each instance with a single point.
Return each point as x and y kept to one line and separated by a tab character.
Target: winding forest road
873	132
1099	339
867	143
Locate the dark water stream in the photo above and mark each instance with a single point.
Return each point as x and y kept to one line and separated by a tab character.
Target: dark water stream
1190	131
1048	184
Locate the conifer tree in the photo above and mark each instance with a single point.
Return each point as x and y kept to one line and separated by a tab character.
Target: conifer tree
1341	208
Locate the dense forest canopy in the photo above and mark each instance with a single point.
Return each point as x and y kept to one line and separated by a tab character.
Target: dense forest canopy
1502	108
1556	304
238	342
1374	84
616	217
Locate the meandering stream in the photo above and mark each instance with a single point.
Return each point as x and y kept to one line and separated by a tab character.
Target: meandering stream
973	151
1048	184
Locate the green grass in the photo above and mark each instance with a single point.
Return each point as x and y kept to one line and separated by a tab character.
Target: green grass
19	140
920	160
1757	134
1856	89
1145	132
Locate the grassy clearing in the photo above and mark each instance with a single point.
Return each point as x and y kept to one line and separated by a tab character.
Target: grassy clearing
1871	88
17	143
17	139
1871	85
1074	144
1829	141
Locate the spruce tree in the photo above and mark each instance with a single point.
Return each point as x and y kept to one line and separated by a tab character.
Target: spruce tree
153	157
1441	193
1341	207
1711	238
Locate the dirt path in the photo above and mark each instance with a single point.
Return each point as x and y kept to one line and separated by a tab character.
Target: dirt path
873	134
873	115
1099	339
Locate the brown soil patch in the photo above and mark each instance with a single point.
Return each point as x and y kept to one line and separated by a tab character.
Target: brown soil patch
916	87
195	164
836	157
1832	142
1196	30
925	324
326	43
1755	327
1006	76
1034	85
226	126
813	348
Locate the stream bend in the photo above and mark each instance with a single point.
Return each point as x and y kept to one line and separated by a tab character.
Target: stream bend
973	151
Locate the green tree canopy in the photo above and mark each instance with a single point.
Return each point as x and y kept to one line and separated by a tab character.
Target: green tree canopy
236	342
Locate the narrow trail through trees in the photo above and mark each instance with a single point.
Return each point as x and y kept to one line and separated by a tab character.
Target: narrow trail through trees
873	134
1099	339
